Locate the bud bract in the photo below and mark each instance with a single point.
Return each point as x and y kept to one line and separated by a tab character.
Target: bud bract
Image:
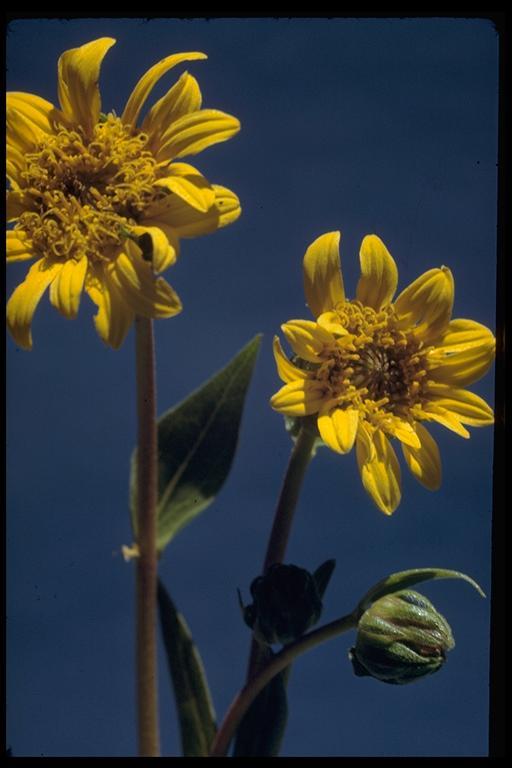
295	424
286	604
400	638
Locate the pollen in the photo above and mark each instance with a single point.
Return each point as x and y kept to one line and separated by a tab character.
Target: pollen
377	367
82	195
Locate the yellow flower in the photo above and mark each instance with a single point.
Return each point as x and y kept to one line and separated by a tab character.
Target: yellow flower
99	200
370	368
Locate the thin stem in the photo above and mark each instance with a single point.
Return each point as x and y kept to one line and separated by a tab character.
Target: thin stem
283	518
292	483
280	661
146	573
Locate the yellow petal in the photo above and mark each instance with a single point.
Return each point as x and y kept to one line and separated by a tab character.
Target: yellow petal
227	205
462	368
467	407
379	274
434	412
365	445
381	473
194	132
164	255
18	246
307	339
149	80
15	205
425	461
15	163
34	109
146	295
298	398
66	289
330	322
114	316
189	222
461	335
188	184
22	136
286	370
155	246
427	304
323	283
23	302
338	428
182	98
402	430
79	71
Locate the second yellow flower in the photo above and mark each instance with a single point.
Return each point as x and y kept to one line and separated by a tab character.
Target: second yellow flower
371	369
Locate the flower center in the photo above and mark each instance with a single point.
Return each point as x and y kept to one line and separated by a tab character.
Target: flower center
378	366
84	194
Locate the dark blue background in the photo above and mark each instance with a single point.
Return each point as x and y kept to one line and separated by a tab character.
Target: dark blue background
367	126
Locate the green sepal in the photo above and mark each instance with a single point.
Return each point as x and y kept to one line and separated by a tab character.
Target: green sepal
285	604
191	693
247	611
196	445
261	731
322	576
405	579
294	425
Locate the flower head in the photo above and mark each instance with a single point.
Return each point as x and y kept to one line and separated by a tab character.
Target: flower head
102	201
371	368
287	602
401	638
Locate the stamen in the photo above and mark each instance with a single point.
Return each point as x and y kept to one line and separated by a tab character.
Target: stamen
85	193
383	370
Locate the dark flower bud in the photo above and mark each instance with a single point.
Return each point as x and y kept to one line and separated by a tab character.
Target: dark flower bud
286	603
400	638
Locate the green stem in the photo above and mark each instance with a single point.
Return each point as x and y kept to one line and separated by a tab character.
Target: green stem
283	518
146	569
280	661
292	483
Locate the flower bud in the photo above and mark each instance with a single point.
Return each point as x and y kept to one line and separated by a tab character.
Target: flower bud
400	638
286	604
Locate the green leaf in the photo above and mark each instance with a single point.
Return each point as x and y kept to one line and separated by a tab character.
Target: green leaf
196	445
404	579
262	729
191	693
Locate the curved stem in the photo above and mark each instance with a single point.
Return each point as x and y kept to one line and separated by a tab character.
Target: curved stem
146	568
280	661
283	518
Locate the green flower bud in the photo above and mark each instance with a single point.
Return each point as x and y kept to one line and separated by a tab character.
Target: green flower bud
286	604
400	638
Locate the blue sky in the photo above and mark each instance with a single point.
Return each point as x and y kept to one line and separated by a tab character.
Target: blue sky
366	126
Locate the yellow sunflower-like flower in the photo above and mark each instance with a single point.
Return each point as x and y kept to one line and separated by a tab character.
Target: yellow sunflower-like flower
371	369
100	201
